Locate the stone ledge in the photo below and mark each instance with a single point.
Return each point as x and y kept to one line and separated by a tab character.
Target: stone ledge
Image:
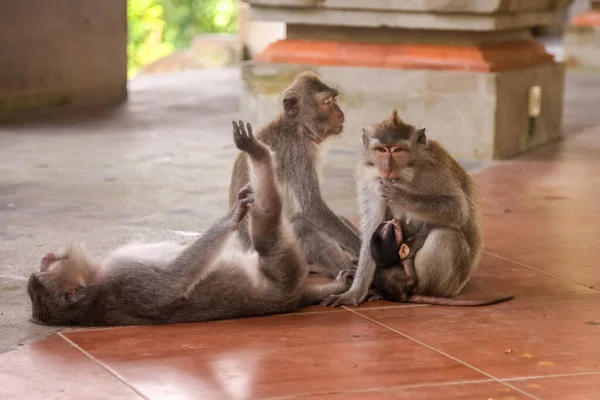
490	57
438	6
408	20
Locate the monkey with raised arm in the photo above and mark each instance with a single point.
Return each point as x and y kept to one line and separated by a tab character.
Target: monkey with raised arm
210	279
401	174
395	276
310	116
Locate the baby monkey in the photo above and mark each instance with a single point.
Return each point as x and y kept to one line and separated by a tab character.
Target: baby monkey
393	247
208	280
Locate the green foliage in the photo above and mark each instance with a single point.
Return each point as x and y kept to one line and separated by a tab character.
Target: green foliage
157	27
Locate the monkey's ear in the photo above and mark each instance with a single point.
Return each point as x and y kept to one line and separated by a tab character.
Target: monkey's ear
47	260
366	135
74	294
290	106
420	137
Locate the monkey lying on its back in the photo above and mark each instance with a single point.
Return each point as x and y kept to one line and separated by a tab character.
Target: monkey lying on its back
161	283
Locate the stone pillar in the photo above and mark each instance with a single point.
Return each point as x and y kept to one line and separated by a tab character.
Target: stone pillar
468	71
582	40
256	35
61	53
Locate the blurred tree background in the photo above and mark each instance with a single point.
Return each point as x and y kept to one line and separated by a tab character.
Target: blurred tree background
157	27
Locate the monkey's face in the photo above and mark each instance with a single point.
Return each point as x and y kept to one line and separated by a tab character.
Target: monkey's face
385	244
313	103
55	290
330	116
392	145
389	158
45	306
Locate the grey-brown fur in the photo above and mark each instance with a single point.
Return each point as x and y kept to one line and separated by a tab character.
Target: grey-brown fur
159	284
425	183
395	278
294	137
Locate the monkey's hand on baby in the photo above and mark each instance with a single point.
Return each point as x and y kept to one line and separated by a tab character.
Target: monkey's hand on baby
244	198
246	142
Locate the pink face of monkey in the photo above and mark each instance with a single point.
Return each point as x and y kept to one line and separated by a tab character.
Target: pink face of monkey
60	283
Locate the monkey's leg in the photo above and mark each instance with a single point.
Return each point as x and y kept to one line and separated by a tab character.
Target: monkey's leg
416	243
444	264
279	258
350	225
244	234
323	254
411	276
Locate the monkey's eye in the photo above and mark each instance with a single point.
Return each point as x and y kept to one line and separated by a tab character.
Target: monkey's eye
327	100
381	149
398	150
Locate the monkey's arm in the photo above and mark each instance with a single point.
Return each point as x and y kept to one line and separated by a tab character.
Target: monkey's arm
373	212
448	207
307	190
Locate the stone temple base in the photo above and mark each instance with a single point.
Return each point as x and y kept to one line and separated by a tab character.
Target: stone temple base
475	115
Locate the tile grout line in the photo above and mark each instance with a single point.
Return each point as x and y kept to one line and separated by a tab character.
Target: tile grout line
525	378
102	365
440	384
542	271
448	355
384	388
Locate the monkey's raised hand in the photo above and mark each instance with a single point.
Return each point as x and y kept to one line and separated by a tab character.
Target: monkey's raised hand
246	142
240	209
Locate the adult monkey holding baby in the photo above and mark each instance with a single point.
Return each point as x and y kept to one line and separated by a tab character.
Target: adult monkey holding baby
310	116
403	175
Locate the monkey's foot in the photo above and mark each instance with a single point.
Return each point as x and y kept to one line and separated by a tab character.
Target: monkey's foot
348	298
409	287
244	198
346	275
375	297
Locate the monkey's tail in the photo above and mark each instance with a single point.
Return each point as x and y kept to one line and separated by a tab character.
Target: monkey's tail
444	301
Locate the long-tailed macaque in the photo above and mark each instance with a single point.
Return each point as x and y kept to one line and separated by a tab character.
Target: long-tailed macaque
395	276
401	174
210	279
310	116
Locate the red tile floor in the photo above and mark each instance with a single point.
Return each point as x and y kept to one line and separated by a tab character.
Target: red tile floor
542	215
